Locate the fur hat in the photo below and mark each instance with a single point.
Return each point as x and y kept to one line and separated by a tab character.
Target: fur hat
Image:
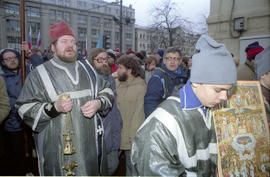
253	49
60	29
262	63
213	64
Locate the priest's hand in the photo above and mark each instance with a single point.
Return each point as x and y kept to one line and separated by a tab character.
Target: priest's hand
90	108
63	104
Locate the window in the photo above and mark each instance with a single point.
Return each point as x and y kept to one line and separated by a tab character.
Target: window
82	19
107	23
95	32
52	1
117	36
95	21
82	32
129	26
60	2
67	16
52	14
59	15
81	5
93	44
107	33
33	12
13	42
12	8
67	3
35	27
13	25
128	36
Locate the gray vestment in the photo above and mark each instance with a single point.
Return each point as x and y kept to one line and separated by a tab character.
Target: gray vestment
43	86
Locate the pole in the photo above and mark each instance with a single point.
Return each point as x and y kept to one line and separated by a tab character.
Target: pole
22	12
121	26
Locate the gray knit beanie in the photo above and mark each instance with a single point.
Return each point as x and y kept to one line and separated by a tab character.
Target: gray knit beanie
262	63
213	64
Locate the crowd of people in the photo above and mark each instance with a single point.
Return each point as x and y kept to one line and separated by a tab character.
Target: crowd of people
80	115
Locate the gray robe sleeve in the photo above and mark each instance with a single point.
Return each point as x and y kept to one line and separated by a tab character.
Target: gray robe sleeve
31	102
105	95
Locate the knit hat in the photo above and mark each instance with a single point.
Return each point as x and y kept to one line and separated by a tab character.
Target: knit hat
160	52
130	52
262	63
117	50
253	49
213	64
60	29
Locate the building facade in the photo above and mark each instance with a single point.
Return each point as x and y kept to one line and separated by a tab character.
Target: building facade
151	40
90	19
237	23
142	39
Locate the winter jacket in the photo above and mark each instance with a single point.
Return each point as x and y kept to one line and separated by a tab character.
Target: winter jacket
112	122
159	84
4	103
177	139
13	84
130	103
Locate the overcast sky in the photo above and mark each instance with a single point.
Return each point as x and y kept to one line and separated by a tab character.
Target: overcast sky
191	10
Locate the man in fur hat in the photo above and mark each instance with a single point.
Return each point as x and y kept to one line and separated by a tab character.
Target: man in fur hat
61	101
178	138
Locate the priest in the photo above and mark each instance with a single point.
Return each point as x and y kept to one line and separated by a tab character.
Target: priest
63	101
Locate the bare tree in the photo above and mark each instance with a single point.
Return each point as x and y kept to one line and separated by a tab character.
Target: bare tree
166	18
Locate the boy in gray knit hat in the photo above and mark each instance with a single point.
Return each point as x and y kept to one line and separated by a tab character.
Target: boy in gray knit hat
178	138
262	70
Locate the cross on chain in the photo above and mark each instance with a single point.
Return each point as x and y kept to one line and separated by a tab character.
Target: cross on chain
99	130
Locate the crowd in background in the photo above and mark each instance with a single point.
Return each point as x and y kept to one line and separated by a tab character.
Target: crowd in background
140	82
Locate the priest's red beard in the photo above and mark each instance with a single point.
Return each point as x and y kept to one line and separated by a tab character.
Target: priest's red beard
69	55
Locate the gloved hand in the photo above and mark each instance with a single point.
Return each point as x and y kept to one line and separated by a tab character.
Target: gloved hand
63	104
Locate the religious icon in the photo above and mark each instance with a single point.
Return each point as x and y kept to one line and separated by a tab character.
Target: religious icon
243	133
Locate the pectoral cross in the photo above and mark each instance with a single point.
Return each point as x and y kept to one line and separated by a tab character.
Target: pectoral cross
99	130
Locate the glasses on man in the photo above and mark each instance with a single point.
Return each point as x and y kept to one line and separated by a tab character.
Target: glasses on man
173	58
100	59
10	58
